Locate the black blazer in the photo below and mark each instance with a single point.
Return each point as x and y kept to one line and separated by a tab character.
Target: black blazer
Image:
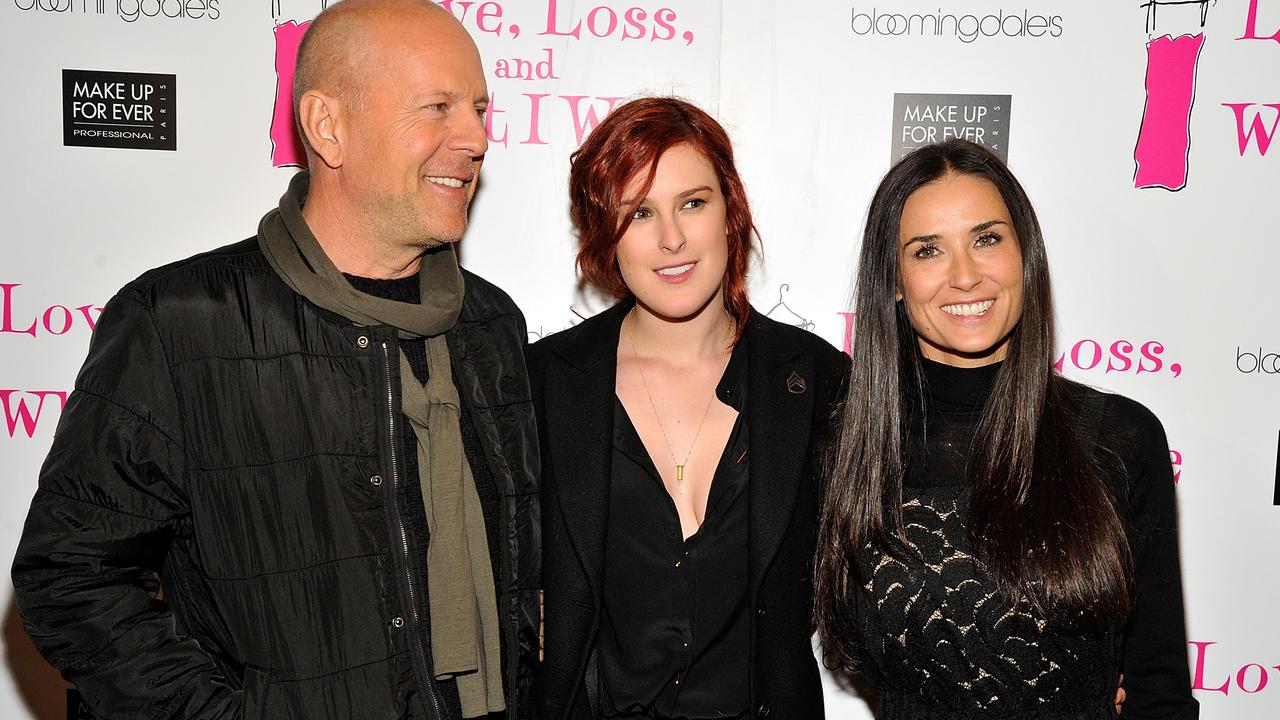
794	378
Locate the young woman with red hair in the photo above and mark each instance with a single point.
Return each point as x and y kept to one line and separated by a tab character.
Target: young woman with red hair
678	431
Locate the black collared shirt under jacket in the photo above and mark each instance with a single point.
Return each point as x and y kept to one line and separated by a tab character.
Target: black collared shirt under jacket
674	631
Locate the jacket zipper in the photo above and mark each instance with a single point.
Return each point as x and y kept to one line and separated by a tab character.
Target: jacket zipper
421	661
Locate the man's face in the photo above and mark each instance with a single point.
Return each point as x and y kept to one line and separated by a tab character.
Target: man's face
417	137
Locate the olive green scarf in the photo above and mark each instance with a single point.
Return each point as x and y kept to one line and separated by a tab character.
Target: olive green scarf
465	643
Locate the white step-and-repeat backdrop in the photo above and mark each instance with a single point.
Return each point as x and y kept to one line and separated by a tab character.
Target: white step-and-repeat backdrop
1143	131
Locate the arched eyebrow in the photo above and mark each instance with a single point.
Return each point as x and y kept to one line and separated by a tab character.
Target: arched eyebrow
695	191
974	230
987	225
628	202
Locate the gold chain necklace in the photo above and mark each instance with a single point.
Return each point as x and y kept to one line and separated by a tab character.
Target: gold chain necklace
679	465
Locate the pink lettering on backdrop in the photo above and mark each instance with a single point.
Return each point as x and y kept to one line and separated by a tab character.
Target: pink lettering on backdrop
535	111
1164	139
584	122
6	313
1251	25
1250	678
53	320
513	116
286	146
1120	356
18	412
1257	131
603	21
1198	680
487	18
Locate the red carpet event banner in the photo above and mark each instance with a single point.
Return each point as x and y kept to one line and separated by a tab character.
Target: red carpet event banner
144	131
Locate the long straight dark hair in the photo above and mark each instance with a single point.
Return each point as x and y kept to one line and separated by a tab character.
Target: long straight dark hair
1041	515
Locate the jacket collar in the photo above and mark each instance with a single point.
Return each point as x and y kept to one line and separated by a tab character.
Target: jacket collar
781	385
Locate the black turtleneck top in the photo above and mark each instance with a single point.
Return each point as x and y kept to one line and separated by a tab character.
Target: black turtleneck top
939	642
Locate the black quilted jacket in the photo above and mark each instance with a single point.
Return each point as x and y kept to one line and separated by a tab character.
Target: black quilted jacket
221	528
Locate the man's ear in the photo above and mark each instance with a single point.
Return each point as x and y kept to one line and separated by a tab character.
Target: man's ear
321	118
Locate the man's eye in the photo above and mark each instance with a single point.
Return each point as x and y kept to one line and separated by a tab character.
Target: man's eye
482	111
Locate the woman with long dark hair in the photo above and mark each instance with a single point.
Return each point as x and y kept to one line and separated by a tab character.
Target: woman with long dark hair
678	430
995	541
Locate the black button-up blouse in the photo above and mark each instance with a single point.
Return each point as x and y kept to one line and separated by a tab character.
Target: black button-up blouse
674	631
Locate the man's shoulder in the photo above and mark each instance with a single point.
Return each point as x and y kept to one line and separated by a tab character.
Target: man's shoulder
192	274
482	300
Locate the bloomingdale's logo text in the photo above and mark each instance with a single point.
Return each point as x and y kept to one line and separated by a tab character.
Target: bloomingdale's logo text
968	28
1249	362
129	10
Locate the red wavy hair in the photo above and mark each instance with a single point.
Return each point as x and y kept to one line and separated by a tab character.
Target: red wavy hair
627	144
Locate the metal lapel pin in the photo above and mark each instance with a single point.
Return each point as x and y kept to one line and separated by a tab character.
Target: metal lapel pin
795	383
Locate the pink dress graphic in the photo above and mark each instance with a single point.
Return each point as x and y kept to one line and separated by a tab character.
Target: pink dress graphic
1164	140
286	146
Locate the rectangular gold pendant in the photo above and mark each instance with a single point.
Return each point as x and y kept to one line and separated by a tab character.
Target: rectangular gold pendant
679	473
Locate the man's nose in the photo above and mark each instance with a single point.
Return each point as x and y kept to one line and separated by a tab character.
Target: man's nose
470	134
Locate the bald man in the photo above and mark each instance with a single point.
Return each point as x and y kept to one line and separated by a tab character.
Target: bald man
297	475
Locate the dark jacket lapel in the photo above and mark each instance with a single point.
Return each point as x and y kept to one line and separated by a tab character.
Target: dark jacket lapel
781	388
579	414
